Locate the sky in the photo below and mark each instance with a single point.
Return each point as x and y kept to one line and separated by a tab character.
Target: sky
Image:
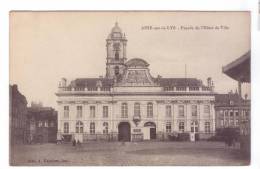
47	46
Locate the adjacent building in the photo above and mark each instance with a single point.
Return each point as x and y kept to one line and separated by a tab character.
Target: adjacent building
229	112
240	70
17	116
42	124
129	104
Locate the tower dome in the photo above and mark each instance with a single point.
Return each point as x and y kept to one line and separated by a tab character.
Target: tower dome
116	33
116	29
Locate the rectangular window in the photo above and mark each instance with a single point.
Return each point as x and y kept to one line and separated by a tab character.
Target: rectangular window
231	122
181	110
226	122
137	109
66	127
194	110
237	113
181	126
92	111
168	111
79	111
231	113
207	127
46	124
237	122
221	113
66	111
222	123
39	123
105	130
226	113
124	110
168	127
150	110
92	128
105	111
207	111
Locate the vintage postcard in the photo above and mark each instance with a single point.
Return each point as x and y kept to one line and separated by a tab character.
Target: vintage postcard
130	88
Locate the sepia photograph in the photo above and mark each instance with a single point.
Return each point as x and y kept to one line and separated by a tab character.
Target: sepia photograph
130	88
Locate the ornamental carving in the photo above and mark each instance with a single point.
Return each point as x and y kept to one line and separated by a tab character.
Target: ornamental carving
137	76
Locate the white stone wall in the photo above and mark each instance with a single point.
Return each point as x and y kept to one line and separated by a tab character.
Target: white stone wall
114	107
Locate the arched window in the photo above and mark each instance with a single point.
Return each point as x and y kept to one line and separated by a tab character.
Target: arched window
79	127
168	127
181	126
116	55
124	110
194	126
116	70
105	130
66	127
137	109
92	128
149	109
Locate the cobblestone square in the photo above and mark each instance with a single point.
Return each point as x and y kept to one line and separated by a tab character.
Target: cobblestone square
128	154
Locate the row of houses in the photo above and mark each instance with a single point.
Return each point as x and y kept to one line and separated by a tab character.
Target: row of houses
34	124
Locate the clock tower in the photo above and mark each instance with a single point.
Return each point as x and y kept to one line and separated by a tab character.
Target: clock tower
116	53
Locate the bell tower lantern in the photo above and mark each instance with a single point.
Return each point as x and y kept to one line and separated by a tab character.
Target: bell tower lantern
116	52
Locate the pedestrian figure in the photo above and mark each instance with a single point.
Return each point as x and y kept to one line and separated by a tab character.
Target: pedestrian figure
78	143
74	143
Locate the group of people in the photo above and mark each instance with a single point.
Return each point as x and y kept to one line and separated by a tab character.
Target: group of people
76	143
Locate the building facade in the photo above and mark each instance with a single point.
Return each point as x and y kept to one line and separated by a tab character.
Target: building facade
129	104
228	111
42	124
17	116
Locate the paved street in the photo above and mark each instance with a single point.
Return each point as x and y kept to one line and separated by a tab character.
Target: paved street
116	153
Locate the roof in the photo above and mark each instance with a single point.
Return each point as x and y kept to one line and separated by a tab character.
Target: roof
36	109
91	82
163	82
239	69
137	62
224	99
178	82
41	112
116	29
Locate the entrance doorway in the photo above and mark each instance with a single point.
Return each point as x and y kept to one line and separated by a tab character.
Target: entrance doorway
195	129
124	132
149	131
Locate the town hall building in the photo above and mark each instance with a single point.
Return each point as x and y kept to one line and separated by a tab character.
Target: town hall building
129	104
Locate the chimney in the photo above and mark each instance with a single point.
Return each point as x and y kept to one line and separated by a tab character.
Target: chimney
209	81
63	82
